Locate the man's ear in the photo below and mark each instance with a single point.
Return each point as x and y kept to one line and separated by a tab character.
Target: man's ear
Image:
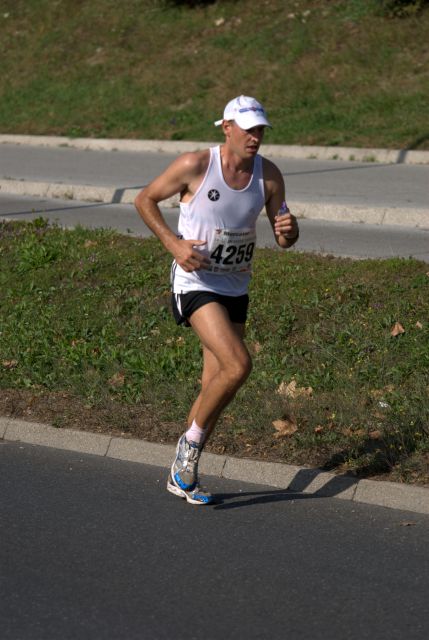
227	126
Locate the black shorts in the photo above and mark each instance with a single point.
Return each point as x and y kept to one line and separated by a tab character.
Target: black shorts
184	305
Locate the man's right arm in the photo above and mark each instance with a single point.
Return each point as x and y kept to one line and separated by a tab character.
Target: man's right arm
175	179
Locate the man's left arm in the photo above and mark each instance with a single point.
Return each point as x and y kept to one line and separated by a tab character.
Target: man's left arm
285	226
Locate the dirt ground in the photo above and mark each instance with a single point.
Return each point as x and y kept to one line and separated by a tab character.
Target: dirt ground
64	411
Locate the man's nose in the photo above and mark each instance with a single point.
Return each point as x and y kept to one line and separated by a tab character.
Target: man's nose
256	135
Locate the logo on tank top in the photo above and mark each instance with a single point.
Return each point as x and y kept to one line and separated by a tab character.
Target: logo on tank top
213	195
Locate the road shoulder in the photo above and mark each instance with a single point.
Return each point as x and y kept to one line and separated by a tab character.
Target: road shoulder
299	479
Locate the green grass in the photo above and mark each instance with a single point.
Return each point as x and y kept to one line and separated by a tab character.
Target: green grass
85	315
336	73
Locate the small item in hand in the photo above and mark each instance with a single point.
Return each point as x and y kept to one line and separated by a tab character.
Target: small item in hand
284	209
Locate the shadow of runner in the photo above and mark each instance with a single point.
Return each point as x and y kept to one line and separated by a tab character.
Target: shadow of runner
41	210
256	497
120	192
298	489
413	146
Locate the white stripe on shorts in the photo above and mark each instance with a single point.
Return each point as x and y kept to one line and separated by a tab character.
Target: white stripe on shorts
178	303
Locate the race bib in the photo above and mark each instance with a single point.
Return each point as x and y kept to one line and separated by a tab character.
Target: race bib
231	250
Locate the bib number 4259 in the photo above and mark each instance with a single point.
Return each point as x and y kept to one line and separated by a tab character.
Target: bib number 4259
230	255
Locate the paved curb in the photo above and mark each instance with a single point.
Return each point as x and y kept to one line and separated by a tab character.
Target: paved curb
411	217
311	210
354	154
304	480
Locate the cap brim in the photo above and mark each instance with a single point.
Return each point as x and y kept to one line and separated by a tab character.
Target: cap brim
247	123
250	120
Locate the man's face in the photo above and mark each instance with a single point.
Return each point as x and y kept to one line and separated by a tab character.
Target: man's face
245	142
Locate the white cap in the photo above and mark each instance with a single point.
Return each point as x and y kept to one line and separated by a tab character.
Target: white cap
246	112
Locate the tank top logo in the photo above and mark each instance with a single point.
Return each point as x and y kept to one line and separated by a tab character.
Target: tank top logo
213	195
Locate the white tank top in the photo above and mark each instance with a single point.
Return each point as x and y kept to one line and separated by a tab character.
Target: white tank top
226	219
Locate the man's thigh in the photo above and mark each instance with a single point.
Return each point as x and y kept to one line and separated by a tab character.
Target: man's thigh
218	334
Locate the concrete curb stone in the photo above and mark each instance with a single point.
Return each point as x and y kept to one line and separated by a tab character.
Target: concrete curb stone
394	497
311	210
140	451
48	436
354	154
307	481
4	422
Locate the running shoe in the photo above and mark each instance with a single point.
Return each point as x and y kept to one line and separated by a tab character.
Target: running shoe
184	470
196	496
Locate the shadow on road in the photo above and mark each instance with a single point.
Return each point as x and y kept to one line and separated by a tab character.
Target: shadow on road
41	210
295	491
249	498
367	165
414	145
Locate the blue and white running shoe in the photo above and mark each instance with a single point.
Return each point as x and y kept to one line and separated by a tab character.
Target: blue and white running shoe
184	470
196	496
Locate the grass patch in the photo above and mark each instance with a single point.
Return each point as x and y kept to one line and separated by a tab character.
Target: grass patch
337	73
87	341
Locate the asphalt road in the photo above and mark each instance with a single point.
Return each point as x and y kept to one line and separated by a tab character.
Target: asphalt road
331	181
95	548
334	238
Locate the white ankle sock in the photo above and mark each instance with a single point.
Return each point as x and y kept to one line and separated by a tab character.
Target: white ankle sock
195	434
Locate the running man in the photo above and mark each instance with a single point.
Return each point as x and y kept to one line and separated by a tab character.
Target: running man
222	191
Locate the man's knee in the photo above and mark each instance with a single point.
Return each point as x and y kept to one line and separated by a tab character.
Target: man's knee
239	369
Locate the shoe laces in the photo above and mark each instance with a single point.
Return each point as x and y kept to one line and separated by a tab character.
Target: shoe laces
192	458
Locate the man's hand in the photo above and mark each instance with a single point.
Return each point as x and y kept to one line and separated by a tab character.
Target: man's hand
189	258
286	226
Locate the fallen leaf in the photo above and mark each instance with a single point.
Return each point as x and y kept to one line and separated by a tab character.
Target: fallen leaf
375	435
397	329
350	433
9	364
285	427
419	325
117	380
90	243
257	347
291	390
318	429
379	415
